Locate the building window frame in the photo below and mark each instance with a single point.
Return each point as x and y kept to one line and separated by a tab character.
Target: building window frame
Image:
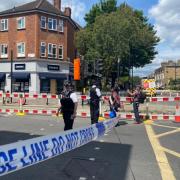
52	24
61	25
60	54
43	22
22	49
21	23
4	24
50	53
4	51
52	50
43	51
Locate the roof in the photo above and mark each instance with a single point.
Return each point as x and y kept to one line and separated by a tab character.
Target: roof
38	6
42	5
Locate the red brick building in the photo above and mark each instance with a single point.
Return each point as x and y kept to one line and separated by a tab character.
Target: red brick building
39	37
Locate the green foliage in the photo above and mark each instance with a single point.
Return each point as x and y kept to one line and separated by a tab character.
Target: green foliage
113	33
174	84
105	6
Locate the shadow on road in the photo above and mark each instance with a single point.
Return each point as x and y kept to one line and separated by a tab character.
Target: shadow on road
96	160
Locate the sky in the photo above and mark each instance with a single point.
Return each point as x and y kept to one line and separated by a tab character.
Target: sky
163	14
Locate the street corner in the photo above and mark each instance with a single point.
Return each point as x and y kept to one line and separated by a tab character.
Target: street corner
164	138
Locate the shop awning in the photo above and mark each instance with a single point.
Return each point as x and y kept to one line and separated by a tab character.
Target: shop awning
2	76
52	76
21	76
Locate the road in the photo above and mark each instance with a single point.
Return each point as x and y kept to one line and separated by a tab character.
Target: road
124	153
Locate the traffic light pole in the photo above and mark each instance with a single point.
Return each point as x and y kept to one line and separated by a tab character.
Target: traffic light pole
11	74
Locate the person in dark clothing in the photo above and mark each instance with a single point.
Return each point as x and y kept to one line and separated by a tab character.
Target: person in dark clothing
95	95
136	96
68	103
114	100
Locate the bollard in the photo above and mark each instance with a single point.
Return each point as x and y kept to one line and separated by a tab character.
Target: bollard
101	118
4	100
21	113
47	101
82	102
177	114
147	109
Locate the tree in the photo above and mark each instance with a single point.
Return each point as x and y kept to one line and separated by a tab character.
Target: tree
123	34
104	7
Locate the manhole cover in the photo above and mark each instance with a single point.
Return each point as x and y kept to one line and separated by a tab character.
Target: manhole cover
86	169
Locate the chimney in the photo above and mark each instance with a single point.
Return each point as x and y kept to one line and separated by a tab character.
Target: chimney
57	4
67	11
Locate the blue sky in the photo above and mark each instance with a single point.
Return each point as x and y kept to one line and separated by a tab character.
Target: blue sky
163	14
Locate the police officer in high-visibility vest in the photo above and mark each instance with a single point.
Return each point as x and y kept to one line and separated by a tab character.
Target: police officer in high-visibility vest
68	103
95	95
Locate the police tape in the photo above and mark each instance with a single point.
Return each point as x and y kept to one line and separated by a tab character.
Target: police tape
26	153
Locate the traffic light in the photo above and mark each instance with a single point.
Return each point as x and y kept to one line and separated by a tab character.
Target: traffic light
90	68
77	69
99	66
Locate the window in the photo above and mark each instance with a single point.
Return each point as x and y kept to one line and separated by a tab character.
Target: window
52	51
43	49
21	49
60	52
52	24
61	25
4	24
21	23
4	51
43	22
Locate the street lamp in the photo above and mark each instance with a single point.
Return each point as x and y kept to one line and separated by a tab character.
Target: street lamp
11	73
175	74
118	74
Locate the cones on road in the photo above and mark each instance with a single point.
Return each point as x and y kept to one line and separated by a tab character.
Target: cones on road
177	115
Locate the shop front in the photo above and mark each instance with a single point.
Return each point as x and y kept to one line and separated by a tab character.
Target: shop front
2	81
21	82
51	82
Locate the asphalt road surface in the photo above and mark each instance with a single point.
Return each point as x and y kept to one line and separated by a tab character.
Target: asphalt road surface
125	153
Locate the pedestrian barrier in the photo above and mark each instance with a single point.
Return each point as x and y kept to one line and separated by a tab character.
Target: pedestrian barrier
128	116
38	107
177	115
84	97
26	153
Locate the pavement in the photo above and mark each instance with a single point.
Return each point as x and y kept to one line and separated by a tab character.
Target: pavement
125	153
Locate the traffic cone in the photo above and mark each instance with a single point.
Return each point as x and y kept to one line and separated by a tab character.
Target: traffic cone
177	115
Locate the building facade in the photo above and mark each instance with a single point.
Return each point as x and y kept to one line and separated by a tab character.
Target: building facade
37	47
166	73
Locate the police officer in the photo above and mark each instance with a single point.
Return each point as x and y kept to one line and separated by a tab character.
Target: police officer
95	95
69	103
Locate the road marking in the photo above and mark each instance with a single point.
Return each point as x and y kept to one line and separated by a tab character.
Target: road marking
167	133
165	169
171	152
165	126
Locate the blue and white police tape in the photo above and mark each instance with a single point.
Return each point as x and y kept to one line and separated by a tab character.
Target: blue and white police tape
22	154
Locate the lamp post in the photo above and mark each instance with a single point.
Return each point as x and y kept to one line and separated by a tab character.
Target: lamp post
118	74
175	74
11	74
132	80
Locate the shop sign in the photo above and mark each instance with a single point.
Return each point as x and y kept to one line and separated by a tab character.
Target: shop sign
20	66
53	67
